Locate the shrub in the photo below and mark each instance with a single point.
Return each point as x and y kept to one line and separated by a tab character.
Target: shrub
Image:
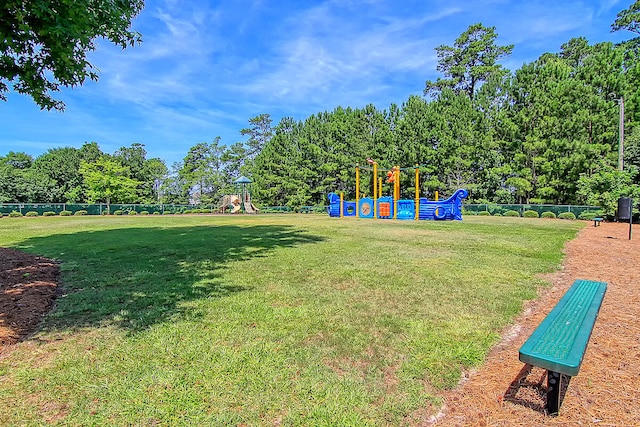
466	212
497	214
187	211
117	212
511	213
49	213
155	213
144	212
588	216
547	214
531	214
484	213
167	213
104	213
567	215
31	213
66	213
15	214
80	212
132	213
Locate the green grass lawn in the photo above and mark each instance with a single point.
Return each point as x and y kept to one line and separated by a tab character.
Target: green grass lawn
293	320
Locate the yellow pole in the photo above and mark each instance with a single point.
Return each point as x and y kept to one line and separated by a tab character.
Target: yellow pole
396	191
379	187
357	192
341	205
375	192
436	195
417	192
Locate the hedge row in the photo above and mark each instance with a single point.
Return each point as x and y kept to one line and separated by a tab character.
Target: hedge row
587	216
16	214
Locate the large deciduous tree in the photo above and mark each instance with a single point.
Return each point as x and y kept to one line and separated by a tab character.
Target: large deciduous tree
61	165
44	43
108	181
148	172
202	171
156	172
14	170
604	187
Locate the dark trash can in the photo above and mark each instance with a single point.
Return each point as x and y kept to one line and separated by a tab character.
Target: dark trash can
624	208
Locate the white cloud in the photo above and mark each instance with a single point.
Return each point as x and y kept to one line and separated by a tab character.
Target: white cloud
325	56
167	65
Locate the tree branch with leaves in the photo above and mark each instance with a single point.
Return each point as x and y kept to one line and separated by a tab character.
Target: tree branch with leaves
44	44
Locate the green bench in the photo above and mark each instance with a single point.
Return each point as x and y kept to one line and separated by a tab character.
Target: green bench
559	342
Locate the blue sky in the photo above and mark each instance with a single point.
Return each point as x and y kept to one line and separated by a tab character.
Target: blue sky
206	67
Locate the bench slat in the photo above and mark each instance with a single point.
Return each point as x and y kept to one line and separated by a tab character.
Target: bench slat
559	342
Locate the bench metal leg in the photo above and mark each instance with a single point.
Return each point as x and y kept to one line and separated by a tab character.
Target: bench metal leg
555	393
554	381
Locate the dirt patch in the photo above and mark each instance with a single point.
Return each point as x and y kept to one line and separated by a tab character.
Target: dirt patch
28	285
505	392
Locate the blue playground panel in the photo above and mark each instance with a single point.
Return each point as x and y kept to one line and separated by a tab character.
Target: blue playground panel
334	205
449	209
406	209
348	208
366	207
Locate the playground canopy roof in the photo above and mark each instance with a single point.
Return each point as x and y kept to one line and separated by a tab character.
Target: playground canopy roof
242	180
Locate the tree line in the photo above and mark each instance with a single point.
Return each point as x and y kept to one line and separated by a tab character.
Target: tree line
89	175
544	133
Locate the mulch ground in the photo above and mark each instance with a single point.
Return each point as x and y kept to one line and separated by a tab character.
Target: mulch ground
504	391
28	285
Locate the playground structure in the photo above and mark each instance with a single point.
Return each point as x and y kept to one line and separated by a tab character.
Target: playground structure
240	202
392	207
230	203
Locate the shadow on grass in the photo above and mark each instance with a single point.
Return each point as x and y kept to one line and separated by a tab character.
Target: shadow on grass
137	277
